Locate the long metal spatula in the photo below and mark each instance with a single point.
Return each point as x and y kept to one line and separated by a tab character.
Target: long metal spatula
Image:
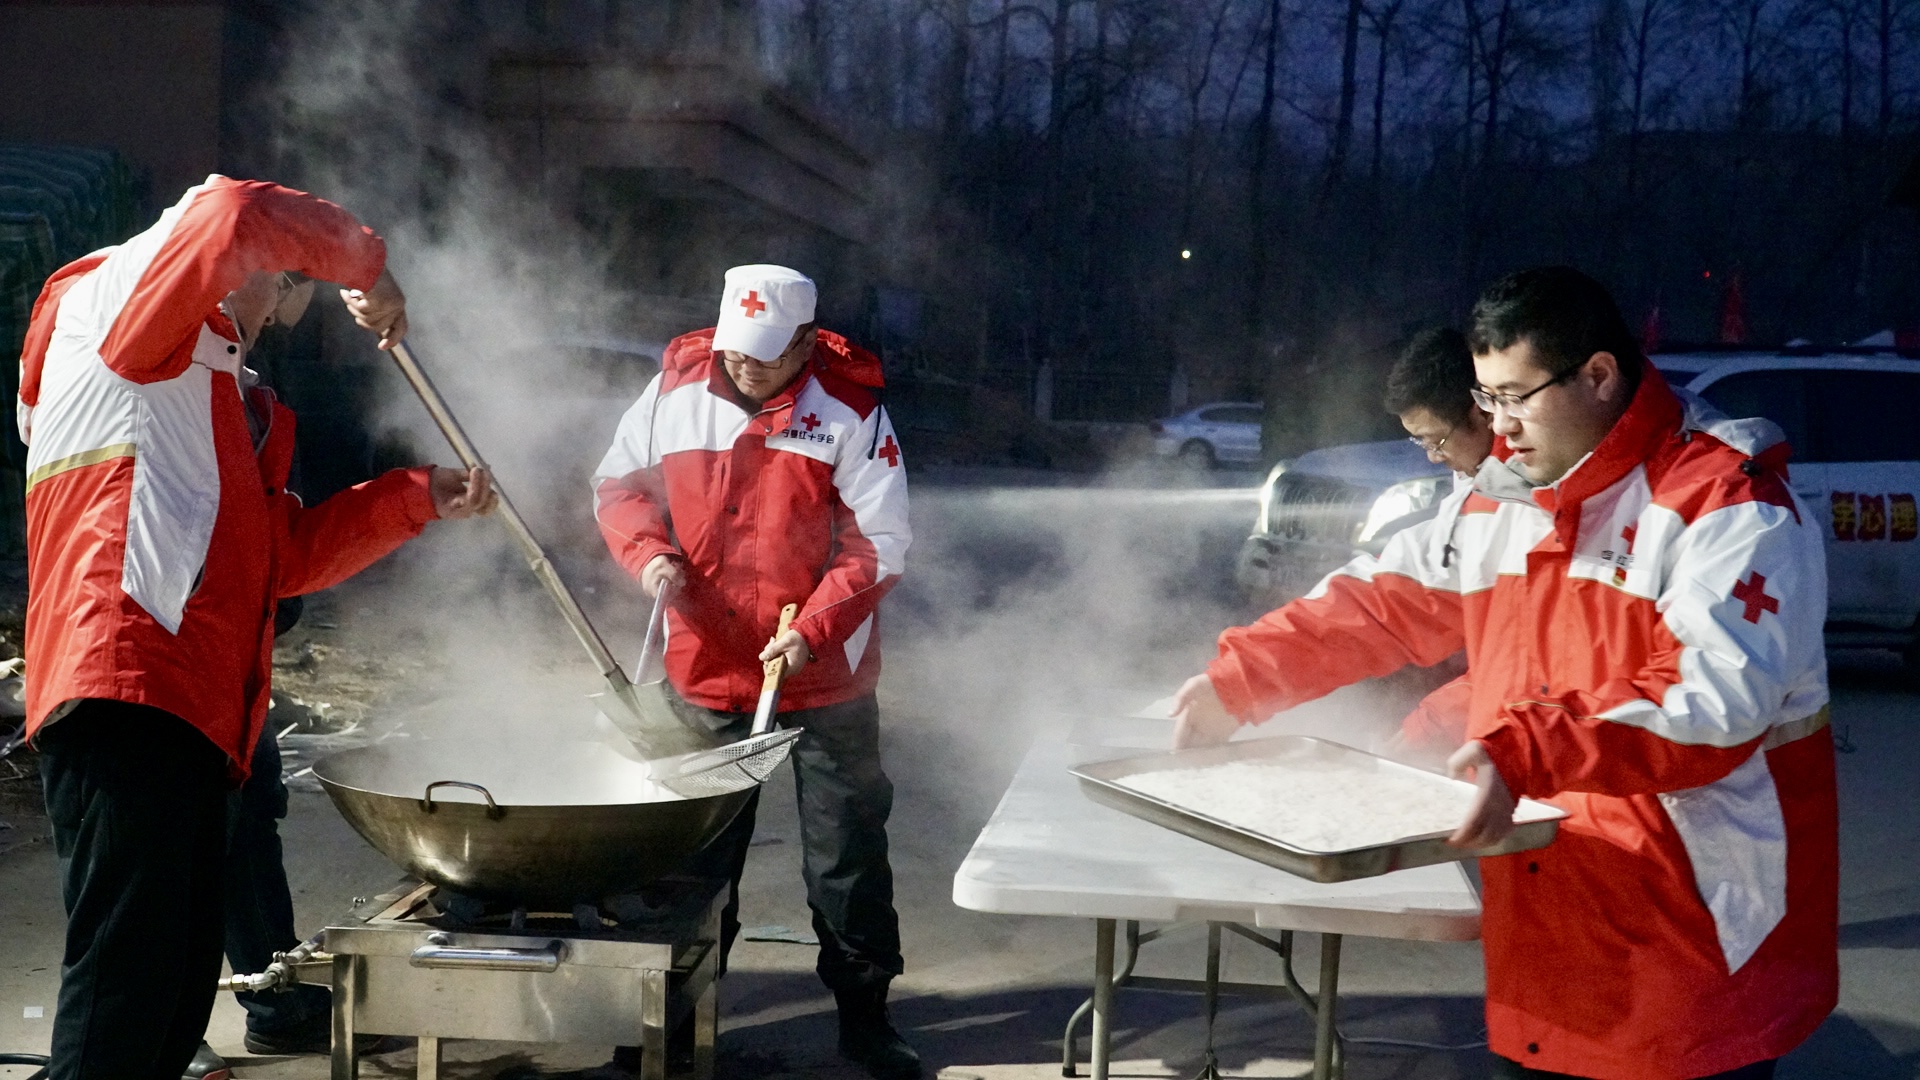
747	762
642	721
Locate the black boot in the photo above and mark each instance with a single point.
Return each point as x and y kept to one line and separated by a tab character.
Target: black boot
207	1065
867	1036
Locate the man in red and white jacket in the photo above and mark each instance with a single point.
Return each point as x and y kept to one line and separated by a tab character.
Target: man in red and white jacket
759	470
1641	598
159	536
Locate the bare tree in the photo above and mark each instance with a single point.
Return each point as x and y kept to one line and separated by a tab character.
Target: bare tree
1644	38
1891	21
1199	72
1492	38
1257	180
1752	28
1349	96
1380	17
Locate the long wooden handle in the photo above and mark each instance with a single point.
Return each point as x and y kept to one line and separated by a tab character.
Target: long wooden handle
777	667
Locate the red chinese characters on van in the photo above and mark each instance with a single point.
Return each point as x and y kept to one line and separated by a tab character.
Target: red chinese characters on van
1875	517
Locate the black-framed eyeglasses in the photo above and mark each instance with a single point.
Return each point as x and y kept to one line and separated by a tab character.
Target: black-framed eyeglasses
1516	404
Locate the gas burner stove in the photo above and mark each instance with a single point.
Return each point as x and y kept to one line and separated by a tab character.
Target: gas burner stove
423	961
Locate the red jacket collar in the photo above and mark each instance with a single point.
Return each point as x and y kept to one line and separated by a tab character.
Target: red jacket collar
690	358
1653	417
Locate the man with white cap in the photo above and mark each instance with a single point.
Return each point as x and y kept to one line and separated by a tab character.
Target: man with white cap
759	470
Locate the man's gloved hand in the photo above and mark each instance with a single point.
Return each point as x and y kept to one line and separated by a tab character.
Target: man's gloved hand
462	493
1199	717
662	570
381	309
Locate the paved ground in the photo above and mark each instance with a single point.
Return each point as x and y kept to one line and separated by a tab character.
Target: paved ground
1025	606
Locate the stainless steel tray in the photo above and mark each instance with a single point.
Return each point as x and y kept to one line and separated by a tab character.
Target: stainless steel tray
1101	781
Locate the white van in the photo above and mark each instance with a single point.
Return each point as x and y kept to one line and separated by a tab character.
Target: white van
1853	420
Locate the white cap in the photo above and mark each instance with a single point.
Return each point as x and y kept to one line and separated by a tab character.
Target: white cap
760	308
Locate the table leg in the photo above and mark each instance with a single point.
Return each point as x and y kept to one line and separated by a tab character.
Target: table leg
1102	995
346	1061
1071	1036
1210	1070
1325	1036
427	1058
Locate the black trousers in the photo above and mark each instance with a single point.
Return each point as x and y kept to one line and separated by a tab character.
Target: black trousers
138	802
1508	1069
845	799
259	904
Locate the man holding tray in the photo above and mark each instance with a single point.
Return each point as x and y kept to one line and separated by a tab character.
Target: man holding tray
1641	598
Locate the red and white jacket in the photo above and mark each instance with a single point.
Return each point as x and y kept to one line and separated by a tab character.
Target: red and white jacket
1644	650
159	530
802	499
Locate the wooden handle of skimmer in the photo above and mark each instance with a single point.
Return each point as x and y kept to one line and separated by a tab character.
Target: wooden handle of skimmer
777	667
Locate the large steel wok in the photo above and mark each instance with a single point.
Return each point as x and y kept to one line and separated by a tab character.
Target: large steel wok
544	827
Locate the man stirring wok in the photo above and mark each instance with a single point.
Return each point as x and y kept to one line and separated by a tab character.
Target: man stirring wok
1641	599
159	535
759	470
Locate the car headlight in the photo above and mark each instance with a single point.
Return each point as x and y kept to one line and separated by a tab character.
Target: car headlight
1404	498
1263	523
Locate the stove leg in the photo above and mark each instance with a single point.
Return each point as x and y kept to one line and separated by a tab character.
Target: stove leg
428	1058
653	1025
706	1030
346	1061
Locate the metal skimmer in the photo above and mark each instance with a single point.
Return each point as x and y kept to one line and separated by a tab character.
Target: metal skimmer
743	764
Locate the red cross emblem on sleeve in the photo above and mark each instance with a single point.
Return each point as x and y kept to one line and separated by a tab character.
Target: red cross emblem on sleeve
891	451
753	303
811	421
1753	593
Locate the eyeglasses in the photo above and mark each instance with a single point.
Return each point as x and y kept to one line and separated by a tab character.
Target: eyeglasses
1430	445
1516	404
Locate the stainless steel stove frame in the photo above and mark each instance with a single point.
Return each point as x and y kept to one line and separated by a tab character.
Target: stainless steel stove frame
395	973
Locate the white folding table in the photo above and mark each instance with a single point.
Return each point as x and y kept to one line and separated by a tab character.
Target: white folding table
1049	850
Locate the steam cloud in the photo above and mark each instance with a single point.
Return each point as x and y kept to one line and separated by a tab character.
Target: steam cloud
1019	606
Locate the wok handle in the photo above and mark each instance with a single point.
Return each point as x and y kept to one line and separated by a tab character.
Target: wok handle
427	803
439	954
530	548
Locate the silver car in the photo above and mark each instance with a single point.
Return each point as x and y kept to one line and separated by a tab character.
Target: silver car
1226	432
1319	508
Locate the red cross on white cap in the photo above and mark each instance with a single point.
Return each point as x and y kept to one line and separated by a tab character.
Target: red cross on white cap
760	308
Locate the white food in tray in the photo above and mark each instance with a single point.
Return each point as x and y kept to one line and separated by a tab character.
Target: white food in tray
1320	803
